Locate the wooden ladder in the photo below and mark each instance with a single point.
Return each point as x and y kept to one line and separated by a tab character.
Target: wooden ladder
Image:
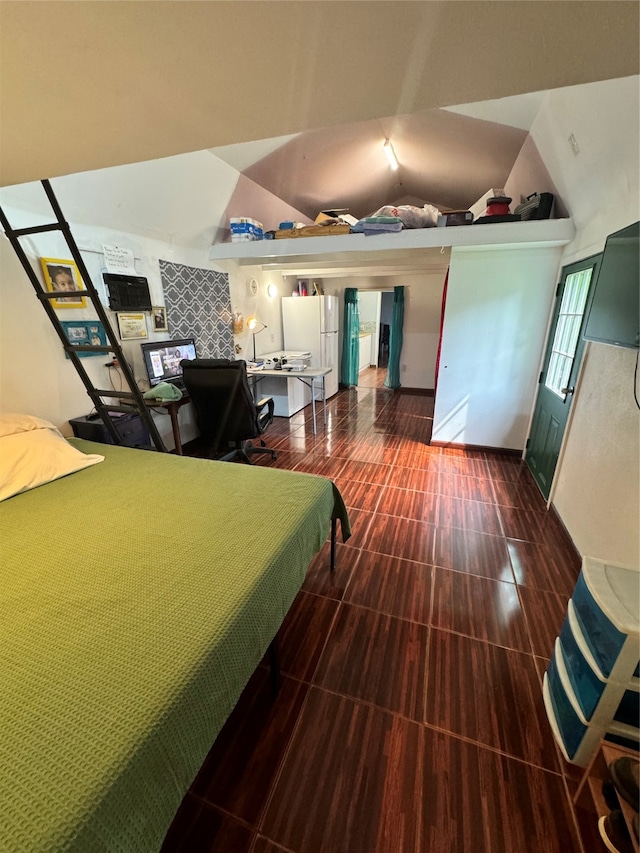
130	401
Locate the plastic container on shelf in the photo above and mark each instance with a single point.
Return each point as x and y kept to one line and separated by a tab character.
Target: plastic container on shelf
577	737
607	606
587	683
245	229
591	690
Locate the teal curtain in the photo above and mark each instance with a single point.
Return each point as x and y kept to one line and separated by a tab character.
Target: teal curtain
350	338
392	379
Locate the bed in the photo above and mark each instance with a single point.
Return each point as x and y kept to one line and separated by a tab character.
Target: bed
137	596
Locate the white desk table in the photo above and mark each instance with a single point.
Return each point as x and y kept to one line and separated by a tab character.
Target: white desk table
307	377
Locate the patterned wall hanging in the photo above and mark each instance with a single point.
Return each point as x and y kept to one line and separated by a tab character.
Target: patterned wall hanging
199	306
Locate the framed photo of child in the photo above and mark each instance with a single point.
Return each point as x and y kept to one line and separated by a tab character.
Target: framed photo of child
61	276
159	318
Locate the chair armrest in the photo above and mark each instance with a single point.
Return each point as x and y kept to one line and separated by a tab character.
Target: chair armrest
266	401
265	418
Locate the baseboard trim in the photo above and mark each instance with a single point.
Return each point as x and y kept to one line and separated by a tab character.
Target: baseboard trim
422	392
483	448
569	539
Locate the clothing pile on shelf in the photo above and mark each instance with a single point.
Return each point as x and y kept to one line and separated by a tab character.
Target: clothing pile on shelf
391	218
378	225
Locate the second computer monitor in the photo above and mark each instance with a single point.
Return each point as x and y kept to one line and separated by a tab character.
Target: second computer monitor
162	358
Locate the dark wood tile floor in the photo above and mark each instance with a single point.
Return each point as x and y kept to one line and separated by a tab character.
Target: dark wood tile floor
410	717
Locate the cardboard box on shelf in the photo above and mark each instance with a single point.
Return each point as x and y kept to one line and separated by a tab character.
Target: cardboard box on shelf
314	231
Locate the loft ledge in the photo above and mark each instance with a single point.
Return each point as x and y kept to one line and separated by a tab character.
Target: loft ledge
540	233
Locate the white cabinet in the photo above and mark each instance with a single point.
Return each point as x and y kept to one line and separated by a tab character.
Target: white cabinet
289	394
365	352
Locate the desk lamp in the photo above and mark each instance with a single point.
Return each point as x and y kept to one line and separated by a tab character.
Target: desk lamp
252	323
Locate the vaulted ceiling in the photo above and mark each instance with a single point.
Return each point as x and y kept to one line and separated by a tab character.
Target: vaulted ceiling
445	159
86	85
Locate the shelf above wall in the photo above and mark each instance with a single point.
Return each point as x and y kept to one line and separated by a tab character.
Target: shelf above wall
410	249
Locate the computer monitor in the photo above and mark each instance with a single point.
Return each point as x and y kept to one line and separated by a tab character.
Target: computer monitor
162	358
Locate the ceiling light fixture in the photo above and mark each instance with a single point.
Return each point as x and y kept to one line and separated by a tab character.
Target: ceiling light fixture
391	154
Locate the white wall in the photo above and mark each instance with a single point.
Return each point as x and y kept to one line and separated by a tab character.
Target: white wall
597	480
166	209
597	493
496	315
599	185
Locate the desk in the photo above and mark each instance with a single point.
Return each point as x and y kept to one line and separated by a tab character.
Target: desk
311	373
172	406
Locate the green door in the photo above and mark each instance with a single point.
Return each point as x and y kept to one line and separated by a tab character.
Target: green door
560	370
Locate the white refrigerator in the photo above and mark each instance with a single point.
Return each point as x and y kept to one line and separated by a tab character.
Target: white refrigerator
311	323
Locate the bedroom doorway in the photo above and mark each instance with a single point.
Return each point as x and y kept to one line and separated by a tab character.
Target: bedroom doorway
375	309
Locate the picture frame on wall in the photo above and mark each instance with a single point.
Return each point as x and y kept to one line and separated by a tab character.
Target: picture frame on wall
132	326
87	332
62	275
159	318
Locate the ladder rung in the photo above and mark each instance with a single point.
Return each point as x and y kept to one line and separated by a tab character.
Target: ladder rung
112	393
62	294
37	229
126	409
88	348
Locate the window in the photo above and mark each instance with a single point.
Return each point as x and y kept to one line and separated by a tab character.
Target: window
565	341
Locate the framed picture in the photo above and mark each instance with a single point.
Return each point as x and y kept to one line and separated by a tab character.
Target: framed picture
62	275
90	332
159	318
132	326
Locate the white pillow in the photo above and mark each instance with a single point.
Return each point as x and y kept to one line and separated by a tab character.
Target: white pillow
12	423
34	452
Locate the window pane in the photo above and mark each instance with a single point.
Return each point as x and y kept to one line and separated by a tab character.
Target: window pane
567	333
573	328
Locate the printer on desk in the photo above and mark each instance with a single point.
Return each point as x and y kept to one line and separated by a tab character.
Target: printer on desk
289	395
286	359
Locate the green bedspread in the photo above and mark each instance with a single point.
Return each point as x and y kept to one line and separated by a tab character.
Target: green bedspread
136	598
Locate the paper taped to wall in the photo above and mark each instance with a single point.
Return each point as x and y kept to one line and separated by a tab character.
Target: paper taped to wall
118	260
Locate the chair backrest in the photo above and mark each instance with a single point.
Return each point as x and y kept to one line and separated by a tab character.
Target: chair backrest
220	392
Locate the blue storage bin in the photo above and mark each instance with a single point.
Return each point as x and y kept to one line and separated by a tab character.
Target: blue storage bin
602	636
586	685
572	730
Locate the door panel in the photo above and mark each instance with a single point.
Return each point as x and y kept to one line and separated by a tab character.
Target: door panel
546	437
560	370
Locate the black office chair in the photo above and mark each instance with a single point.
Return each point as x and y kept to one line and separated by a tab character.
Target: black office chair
226	413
